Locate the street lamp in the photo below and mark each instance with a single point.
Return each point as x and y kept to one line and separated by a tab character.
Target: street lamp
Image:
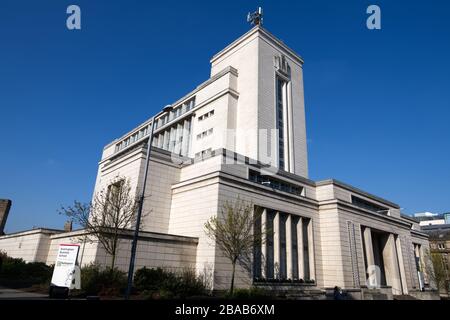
139	213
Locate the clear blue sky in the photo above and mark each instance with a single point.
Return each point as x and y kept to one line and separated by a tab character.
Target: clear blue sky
377	102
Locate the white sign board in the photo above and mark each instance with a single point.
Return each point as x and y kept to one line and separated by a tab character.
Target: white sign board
63	274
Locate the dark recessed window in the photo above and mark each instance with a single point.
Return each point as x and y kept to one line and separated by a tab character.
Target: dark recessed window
273	183
369	205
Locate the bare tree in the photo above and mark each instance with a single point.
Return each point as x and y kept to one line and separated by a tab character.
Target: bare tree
111	211
233	233
435	269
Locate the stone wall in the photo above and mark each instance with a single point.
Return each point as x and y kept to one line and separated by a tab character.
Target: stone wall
154	250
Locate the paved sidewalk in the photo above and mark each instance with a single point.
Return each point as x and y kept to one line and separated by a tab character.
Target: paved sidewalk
14	294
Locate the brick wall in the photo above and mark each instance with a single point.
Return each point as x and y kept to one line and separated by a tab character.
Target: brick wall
5	205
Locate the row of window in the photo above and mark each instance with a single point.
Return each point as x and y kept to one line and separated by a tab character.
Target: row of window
175	139
175	112
133	138
206	115
369	205
203	153
204	134
264	263
275	183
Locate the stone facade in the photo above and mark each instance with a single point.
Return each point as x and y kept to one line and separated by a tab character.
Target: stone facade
440	245
154	250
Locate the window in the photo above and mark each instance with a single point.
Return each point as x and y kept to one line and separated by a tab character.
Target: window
306	269
283	255
270	245
203	153
206	115
369	205
189	105
204	134
280	98
268	181
269	264
441	246
295	220
113	192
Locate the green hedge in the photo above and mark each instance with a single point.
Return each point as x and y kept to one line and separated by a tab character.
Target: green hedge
96	280
160	283
16	273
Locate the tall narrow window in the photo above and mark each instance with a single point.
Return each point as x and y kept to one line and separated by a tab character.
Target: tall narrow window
280	98
269	243
293	226
257	254
283	265
306	249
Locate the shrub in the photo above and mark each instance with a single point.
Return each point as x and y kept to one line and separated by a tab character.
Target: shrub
15	272
160	283
13	268
39	270
186	284
150	279
96	280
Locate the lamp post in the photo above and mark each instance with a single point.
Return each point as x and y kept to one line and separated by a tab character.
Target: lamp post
139	213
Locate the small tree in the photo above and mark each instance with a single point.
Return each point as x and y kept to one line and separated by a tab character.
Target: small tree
111	211
233	232
434	267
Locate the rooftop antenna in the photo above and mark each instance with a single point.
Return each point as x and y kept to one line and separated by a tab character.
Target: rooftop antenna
256	18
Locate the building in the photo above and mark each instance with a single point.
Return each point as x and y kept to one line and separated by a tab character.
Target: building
5	206
428	218
440	244
242	132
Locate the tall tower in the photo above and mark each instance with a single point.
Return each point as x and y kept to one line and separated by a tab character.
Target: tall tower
271	97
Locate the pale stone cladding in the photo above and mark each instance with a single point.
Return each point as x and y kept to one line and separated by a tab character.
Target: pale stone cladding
154	250
203	189
31	245
253	55
345	229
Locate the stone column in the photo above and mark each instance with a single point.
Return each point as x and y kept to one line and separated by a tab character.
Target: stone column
391	265
264	243
300	260
276	245
368	247
401	264
290	274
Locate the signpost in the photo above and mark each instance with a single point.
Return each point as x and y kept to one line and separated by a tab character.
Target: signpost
66	274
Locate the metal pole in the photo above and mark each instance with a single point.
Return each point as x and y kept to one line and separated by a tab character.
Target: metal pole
139	213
